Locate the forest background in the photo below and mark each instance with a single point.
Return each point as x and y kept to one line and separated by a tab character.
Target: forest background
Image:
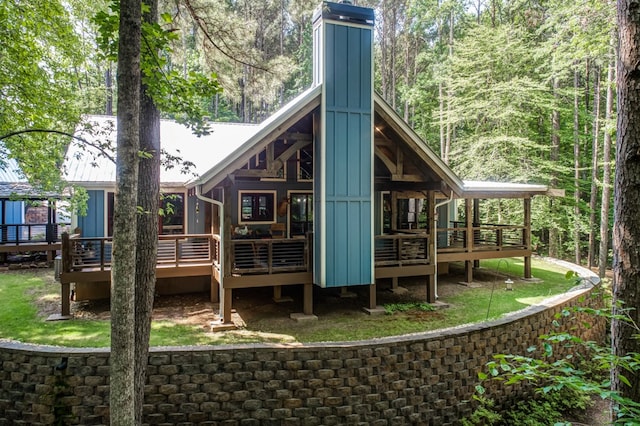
503	90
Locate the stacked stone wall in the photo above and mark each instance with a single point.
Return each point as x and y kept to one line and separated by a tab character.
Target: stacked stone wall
424	378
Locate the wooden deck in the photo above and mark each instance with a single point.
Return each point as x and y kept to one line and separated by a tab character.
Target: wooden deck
288	261
32	237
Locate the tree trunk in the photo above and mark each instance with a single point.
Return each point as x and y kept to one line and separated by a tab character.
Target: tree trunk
576	168
626	235
606	179
594	170
121	394
147	237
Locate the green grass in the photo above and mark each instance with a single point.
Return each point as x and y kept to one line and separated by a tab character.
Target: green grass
20	292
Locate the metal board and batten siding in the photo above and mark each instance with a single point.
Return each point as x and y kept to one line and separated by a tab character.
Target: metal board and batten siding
343	185
92	225
13	212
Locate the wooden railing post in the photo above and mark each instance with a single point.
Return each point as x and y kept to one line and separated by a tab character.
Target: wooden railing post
65	288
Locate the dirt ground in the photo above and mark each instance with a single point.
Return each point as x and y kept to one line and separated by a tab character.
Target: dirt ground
248	304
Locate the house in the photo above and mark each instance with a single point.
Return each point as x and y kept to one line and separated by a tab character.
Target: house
31	221
334	190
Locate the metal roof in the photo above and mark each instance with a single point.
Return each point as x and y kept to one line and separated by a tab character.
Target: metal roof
85	166
10	172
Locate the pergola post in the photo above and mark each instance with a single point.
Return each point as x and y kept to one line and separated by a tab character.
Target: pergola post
476	222
526	237
468	217
433	246
225	293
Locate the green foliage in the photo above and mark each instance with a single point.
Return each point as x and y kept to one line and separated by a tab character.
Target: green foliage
176	93
38	56
391	308
583	372
484	414
546	409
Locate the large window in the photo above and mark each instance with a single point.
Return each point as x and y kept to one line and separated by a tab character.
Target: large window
257	206
172	219
301	213
170	222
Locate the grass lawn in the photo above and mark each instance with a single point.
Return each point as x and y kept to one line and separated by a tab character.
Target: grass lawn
23	293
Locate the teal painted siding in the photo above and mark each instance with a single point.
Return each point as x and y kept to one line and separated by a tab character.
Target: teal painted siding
344	249
14	212
92	225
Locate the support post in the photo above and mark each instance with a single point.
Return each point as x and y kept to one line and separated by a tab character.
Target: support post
433	246
225	293
431	288
526	237
66	299
469	217
307	303
468	271
476	222
372	297
214	287
225	304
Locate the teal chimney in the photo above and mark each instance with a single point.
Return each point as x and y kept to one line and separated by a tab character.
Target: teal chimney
343	181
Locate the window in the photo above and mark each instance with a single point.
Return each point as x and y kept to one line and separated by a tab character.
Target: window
257	206
386	212
170	222
412	213
301	213
305	164
172	219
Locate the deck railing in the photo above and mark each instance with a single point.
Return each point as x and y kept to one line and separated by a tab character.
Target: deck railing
401	249
486	236
28	233
269	256
86	253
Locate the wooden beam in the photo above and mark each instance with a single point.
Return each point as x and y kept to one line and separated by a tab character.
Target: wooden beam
388	162
250	281
482	254
386	185
404	271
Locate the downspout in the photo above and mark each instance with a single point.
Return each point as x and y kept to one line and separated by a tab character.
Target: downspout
221	217
435	235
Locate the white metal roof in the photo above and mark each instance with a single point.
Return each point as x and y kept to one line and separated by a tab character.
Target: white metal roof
475	185
10	172
87	168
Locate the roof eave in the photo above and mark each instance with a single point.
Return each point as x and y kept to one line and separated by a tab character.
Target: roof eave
271	127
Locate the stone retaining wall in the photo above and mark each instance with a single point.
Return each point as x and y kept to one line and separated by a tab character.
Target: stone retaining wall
425	378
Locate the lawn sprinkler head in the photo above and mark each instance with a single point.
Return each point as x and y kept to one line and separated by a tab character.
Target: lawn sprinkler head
509	284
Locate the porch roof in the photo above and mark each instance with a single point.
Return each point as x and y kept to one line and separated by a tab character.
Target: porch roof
14	183
482	189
